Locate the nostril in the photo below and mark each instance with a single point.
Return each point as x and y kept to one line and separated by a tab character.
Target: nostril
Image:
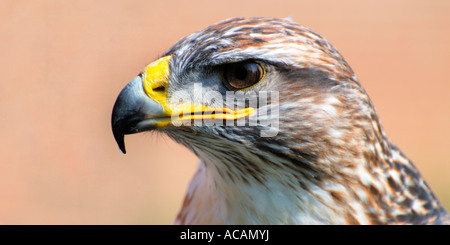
159	89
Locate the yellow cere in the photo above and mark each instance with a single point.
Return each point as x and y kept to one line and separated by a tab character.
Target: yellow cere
156	79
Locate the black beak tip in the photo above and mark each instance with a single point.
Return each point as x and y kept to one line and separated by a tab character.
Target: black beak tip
121	144
119	136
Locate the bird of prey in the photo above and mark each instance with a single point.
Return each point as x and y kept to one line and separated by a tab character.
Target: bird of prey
310	150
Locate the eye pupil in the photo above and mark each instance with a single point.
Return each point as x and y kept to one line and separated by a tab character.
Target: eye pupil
242	75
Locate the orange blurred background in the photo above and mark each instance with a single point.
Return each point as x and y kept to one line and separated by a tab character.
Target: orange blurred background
63	63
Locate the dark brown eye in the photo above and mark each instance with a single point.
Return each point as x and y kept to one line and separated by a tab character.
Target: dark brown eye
242	75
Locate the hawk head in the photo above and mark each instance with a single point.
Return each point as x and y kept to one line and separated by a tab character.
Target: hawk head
285	132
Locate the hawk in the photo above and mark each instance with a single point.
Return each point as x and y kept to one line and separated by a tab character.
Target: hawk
322	158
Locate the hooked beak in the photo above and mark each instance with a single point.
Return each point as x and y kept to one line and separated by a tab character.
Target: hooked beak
134	112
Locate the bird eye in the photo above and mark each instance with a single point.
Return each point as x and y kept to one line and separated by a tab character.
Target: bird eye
241	75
